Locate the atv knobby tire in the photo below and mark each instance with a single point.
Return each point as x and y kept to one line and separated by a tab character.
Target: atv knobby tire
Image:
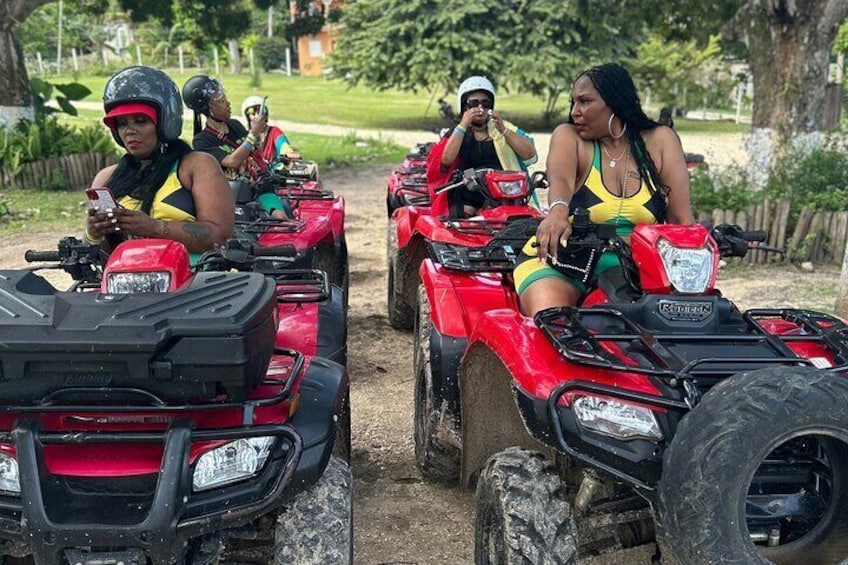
401	313
523	514
436	460
316	527
341	445
719	446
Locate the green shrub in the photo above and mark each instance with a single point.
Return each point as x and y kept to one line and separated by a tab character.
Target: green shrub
726	189
270	52
817	179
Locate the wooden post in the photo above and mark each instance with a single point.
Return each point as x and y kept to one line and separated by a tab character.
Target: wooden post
813	235
180	53
217	64
801	229
40	62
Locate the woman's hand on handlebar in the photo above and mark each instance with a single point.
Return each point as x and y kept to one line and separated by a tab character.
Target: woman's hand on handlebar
553	229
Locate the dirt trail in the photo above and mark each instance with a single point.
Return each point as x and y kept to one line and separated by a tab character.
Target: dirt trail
400	519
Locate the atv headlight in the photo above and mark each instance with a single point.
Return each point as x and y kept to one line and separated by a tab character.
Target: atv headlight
233	462
616	419
688	270
132	283
512	188
9	478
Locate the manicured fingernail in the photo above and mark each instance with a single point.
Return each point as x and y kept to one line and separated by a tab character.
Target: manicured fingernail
117	228
114	221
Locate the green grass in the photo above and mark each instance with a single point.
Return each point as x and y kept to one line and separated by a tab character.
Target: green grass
322	101
60	211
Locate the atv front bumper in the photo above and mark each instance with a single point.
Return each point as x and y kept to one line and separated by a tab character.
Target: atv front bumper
175	516
157	519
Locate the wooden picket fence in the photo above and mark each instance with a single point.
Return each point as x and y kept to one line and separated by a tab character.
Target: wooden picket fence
69	172
817	236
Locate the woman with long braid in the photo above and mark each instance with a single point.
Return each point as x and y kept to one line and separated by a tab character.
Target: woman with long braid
613	160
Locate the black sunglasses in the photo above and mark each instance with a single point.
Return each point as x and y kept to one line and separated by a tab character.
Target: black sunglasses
486	103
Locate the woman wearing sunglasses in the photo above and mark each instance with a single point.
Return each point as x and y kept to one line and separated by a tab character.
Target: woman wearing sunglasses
273	142
482	139
226	139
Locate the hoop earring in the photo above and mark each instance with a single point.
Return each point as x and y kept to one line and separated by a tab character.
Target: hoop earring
609	128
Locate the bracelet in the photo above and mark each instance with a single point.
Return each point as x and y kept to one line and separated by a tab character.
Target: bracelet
251	138
90	238
460	130
247	144
559	202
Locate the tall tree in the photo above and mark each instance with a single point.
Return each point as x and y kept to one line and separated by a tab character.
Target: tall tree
789	45
15	95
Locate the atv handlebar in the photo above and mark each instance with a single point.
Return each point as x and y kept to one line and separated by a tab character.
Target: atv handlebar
32	256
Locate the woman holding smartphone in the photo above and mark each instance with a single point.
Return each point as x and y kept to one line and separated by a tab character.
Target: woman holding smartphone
226	139
273	142
163	189
482	139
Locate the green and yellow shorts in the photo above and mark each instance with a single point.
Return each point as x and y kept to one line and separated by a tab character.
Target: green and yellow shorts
529	269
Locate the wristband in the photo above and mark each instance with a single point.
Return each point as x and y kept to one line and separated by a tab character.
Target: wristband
460	130
247	144
90	238
251	138
558	202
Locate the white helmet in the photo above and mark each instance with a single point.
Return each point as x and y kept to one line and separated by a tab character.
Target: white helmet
472	84
250	102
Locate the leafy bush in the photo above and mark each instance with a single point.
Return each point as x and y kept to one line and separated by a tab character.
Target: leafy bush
271	52
817	179
727	189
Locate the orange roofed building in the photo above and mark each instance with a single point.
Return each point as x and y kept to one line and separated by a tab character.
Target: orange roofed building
313	49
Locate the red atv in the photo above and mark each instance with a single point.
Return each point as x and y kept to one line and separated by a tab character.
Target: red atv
656	410
407	184
316	228
149	418
505	199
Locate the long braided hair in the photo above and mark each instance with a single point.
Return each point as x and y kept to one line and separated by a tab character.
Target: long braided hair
613	83
141	183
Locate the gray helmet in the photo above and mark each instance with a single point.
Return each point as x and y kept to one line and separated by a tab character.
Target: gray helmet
199	90
145	85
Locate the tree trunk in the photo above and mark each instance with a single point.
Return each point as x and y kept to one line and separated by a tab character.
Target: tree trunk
789	45
841	307
235	57
15	94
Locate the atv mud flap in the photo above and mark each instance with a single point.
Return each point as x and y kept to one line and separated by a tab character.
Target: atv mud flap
91	534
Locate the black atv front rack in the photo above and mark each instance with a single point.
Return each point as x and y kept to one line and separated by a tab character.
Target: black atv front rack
487	259
300	285
299	193
569	330
270	225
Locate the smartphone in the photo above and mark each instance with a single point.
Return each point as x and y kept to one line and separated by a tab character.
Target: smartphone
263	109
101	199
